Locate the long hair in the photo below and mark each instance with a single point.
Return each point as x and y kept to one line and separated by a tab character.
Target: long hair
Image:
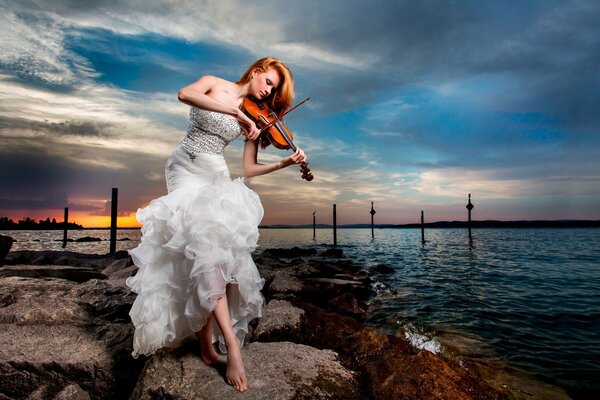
280	99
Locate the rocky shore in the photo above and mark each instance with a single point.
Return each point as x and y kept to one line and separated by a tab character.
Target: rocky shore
65	334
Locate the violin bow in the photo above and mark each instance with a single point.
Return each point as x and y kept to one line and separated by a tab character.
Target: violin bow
270	124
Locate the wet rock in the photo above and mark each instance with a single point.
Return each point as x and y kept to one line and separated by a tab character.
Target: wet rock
398	374
332	253
349	304
294	252
275	371
281	321
50	271
56	333
382	269
5	245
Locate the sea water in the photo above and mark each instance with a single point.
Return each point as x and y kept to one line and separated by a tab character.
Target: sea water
523	300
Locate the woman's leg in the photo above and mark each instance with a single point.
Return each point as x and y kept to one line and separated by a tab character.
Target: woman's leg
236	376
207	351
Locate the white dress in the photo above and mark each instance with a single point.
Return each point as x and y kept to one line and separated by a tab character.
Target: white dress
196	240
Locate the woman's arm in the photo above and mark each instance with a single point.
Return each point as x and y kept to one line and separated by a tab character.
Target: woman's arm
253	168
196	95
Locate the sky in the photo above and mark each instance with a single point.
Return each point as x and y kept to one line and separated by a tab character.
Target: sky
413	105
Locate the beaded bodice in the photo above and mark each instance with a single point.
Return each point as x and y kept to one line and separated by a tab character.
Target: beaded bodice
209	132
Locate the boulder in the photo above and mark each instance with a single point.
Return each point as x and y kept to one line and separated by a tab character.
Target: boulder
275	371
281	321
70	258
5	245
285	282
57	333
75	274
294	252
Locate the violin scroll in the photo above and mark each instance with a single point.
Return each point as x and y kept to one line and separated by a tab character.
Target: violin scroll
306	174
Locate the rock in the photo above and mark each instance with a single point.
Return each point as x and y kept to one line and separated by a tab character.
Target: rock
284	282
294	252
41	393
5	245
275	371
382	269
332	253
88	239
56	333
72	392
117	265
281	321
51	271
48	257
349	304
397	374
119	278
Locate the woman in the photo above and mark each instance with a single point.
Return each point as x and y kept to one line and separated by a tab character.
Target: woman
194	257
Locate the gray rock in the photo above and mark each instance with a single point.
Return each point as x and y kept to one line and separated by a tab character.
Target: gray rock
72	392
50	271
117	265
280	321
5	245
119	278
284	282
55	333
73	259
275	371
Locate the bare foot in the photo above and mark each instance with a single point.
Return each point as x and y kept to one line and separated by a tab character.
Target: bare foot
208	353
236	376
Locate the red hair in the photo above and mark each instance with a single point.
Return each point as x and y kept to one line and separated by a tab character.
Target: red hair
281	98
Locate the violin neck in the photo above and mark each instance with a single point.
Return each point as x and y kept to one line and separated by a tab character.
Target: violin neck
283	133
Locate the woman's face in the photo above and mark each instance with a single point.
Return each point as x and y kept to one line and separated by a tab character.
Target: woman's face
264	82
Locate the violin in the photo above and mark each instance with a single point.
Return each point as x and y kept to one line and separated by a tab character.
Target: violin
272	125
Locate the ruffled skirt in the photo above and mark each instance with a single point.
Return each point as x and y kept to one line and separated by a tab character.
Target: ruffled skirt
196	240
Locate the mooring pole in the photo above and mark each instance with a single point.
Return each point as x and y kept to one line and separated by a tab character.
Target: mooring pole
334	226
470	206
314	225
66	227
422	227
372	214
113	220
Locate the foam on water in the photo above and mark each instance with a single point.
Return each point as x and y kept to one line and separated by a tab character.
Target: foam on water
421	341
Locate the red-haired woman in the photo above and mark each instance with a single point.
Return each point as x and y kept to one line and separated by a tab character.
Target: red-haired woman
194	257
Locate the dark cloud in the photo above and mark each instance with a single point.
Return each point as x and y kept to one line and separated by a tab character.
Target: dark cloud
65	128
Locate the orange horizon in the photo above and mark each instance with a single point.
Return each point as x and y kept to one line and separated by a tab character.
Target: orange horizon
77	217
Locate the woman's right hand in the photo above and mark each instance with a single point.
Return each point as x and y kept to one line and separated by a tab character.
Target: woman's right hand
250	130
297	158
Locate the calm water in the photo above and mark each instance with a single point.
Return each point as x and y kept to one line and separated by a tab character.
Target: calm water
525	299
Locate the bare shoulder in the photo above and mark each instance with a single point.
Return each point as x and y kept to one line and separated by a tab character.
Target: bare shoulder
215	81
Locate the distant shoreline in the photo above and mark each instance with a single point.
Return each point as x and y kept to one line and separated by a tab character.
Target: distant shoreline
456	224
429	225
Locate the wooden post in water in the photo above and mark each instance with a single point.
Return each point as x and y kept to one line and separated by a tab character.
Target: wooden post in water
470	207
113	220
372	214
334	226
422	227
314	225
66	227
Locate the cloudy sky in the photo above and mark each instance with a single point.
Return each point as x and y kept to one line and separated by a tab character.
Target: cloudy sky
414	104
